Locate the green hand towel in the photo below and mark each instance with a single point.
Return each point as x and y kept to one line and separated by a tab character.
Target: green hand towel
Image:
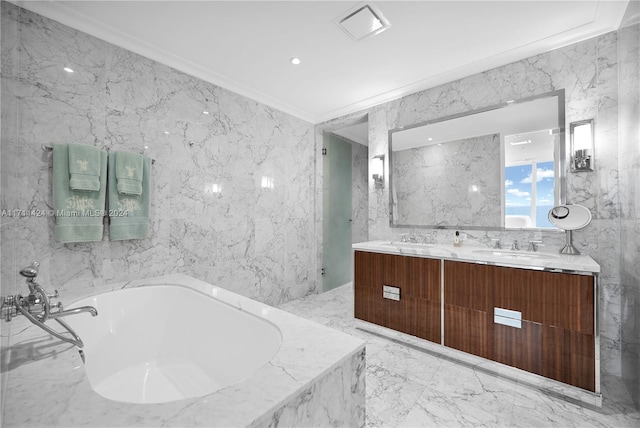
84	167
128	214
129	173
79	214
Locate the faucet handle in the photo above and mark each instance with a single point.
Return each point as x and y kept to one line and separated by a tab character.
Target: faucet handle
55	295
30	271
533	245
496	243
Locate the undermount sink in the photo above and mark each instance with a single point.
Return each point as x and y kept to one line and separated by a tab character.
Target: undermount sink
516	254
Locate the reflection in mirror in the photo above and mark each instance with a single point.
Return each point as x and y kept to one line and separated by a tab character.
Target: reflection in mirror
501	167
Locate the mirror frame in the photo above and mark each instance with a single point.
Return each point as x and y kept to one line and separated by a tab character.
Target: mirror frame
562	167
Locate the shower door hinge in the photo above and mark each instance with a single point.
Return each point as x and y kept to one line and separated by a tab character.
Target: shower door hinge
322	271
324	151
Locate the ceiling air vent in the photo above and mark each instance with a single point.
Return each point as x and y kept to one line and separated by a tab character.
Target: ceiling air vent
362	22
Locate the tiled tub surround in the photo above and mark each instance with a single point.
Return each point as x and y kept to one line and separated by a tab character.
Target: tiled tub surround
315	379
211	216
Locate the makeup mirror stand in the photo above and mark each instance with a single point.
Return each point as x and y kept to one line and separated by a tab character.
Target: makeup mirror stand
569	248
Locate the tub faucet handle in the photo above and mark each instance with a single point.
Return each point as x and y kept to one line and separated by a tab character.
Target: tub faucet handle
30	271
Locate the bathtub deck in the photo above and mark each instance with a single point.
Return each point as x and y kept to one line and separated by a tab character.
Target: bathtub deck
316	378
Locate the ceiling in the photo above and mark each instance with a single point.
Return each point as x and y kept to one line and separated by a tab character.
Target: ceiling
246	46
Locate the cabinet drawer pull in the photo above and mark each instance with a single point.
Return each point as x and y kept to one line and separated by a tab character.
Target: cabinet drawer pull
507	317
391	293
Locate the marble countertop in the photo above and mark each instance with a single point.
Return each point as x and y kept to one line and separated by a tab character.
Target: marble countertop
47	385
499	257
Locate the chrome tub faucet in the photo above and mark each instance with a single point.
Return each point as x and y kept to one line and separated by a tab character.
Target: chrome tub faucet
38	308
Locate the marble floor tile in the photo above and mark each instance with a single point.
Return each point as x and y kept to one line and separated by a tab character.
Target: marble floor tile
408	386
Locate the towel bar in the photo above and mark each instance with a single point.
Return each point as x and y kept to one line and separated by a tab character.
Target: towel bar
46	148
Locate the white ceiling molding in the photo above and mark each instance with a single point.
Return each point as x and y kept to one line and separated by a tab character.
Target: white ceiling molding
338	76
69	17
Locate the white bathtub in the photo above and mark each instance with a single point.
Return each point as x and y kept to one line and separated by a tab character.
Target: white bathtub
162	343
316	377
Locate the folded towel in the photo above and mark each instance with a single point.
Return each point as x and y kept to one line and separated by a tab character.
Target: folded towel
129	173
79	214
84	167
128	214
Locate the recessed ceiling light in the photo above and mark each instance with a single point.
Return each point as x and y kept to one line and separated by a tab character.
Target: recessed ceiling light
166	132
205	112
295	61
68	70
429	139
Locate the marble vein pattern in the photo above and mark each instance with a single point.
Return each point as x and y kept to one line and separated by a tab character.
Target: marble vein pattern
233	199
471	194
629	148
412	385
588	73
359	193
315	379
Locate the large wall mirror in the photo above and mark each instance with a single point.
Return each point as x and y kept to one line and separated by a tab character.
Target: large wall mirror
497	168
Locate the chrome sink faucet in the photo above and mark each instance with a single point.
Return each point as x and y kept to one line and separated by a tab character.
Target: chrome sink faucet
37	307
533	245
515	246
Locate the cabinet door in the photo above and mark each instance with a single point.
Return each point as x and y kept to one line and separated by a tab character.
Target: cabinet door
558	299
367	286
569	356
468	315
422	299
557	337
418	310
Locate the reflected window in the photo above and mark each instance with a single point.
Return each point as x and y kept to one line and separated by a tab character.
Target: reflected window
529	184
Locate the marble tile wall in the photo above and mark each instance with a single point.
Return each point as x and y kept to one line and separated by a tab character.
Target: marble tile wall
470	196
588	72
8	120
359	193
233	198
629	143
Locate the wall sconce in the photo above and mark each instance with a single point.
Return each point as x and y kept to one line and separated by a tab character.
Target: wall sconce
377	169
582	145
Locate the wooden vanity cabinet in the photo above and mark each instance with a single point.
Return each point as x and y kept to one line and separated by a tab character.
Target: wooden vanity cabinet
417	312
556	333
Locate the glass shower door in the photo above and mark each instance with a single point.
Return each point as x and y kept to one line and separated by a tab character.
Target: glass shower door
337	257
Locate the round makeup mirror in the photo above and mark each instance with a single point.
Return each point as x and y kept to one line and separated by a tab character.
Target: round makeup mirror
569	218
